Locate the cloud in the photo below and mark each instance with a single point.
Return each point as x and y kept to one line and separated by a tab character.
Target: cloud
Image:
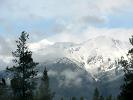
91	32
52	73
93	19
39	45
67	14
113	6
4	61
6	46
70	78
59	8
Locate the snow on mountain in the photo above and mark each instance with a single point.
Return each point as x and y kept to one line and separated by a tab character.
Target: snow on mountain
85	66
96	55
100	52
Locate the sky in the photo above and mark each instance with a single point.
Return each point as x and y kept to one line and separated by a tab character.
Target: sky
64	20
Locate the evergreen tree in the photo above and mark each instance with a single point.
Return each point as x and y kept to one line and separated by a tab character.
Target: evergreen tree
24	69
96	94
1	90
4	90
109	97
127	88
45	92
101	98
62	98
82	98
73	98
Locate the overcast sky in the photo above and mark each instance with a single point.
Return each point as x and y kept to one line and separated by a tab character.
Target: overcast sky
74	20
64	20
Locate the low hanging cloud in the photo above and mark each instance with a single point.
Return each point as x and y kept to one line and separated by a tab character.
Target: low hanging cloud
70	78
6	46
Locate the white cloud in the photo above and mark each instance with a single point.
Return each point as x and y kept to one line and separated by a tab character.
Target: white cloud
52	73
67	13
112	6
116	33
38	45
70	78
91	32
6	46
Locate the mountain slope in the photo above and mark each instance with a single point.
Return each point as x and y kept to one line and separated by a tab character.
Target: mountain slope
100	53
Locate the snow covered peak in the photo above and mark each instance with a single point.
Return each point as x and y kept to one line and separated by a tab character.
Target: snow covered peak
98	53
94	54
91	53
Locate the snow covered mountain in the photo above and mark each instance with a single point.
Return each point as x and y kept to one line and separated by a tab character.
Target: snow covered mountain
97	54
84	66
100	53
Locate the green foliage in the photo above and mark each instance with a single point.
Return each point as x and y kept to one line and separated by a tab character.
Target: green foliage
24	68
45	92
96	94
109	98
4	91
1	90
81	98
127	87
62	98
73	98
101	98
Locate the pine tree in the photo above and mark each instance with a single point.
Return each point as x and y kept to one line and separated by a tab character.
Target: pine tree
101	98
24	69
45	92
73	98
4	90
1	90
109	97
62	98
96	94
81	98
127	88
